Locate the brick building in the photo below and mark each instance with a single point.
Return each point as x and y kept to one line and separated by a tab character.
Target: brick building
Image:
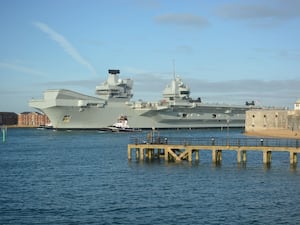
32	119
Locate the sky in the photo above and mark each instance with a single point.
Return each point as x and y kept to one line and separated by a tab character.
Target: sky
226	51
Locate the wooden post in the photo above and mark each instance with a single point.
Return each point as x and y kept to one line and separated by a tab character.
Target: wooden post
197	155
219	155
267	156
241	156
238	156
190	155
166	154
244	155
293	158
213	155
216	155
141	153
137	155
129	152
149	151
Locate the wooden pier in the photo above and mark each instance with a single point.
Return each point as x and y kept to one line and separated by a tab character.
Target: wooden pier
179	149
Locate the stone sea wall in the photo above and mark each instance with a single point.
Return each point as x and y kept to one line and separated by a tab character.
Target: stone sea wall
273	123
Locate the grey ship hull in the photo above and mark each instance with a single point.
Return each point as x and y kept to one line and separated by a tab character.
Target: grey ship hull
70	110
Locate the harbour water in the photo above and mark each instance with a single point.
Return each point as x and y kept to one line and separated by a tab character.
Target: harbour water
84	177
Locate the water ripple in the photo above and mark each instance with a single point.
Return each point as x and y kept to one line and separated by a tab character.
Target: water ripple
85	178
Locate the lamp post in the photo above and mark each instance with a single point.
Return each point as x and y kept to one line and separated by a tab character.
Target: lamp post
228	128
227	112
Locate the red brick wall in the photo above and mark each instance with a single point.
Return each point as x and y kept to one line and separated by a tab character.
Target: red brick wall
32	119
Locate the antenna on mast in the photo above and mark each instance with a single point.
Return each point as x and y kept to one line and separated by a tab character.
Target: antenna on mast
174	69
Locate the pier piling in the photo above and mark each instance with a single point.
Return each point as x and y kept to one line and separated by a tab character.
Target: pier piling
293	158
216	156
241	156
267	156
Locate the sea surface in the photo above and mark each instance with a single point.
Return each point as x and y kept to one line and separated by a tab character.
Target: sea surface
84	177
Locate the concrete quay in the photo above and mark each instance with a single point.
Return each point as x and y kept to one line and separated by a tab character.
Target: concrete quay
179	149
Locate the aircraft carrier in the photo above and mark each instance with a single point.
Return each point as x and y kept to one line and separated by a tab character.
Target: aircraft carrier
67	109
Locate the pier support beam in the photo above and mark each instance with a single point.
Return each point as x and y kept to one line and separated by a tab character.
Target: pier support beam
267	156
241	156
190	155
216	156
150	153
293	158
141	154
197	155
129	153
166	154
137	153
174	155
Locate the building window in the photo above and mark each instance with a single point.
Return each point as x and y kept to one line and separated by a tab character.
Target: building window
265	120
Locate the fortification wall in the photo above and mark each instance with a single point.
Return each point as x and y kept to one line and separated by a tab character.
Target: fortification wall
294	120
262	119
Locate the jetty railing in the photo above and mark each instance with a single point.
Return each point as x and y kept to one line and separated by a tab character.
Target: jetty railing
183	148
249	142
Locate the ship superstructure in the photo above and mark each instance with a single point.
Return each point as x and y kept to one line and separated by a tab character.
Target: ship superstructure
71	110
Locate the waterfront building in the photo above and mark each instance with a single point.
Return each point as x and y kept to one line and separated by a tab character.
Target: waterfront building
32	119
297	105
275	119
294	117
266	119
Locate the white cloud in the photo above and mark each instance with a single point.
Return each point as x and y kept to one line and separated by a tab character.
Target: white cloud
21	69
185	20
270	92
262	14
66	45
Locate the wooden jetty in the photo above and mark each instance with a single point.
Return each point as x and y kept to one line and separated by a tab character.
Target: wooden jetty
179	149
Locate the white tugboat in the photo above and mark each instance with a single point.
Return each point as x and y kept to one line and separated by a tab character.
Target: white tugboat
121	126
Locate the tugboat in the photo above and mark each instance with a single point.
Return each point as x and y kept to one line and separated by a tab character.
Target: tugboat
121	126
46	126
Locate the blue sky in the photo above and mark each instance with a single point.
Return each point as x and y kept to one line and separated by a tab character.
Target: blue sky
226	51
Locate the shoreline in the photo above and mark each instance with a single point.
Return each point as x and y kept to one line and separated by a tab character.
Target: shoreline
268	133
274	133
16	126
